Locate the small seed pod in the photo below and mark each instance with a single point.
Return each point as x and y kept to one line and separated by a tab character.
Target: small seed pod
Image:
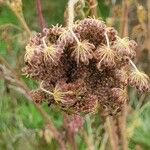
67	94
122	76
119	95
111	32
63	95
66	39
105	56
45	31
124	47
82	52
35	39
55	32
38	96
140	80
51	52
91	29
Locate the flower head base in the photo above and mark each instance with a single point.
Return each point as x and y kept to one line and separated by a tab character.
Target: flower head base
105	56
125	47
140	80
83	51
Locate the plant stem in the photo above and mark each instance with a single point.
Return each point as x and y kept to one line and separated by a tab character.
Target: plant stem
93	7
104	142
133	65
69	134
71	4
122	124
107	40
21	19
40	15
90	134
148	11
9	25
122	119
77	40
124	21
44	90
111	133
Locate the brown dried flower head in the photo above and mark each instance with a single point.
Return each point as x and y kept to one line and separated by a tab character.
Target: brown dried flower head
120	95
122	76
83	51
88	105
60	95
105	56
83	68
124	47
140	80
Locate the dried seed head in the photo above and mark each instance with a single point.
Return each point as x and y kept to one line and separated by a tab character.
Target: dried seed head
50	53
84	87
122	76
37	95
88	105
105	56
83	51
60	95
125	47
140	80
69	93
120	95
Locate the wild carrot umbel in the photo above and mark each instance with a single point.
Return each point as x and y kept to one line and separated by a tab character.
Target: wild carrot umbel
82	67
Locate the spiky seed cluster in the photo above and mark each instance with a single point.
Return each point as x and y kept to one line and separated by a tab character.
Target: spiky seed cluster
140	80
105	57
82	68
125	47
83	51
37	96
50	51
122	76
120	95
